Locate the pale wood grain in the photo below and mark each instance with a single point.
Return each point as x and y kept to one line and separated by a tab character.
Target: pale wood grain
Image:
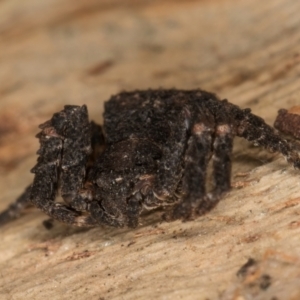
73	52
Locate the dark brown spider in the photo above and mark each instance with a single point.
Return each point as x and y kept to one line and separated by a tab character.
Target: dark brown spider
157	147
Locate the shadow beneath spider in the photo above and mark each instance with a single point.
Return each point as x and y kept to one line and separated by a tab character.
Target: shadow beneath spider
51	229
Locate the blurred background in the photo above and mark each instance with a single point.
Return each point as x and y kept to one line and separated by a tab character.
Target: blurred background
57	52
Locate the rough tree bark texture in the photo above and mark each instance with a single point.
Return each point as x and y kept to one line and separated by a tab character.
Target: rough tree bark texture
56	52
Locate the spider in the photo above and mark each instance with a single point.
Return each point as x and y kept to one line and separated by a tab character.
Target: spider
154	152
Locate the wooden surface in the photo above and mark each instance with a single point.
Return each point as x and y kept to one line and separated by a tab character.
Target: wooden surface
73	52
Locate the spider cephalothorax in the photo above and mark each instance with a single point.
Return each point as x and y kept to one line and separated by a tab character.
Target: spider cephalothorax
154	151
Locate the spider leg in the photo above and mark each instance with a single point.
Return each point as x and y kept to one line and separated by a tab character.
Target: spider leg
133	210
78	203
255	130
222	149
196	201
15	209
65	148
197	157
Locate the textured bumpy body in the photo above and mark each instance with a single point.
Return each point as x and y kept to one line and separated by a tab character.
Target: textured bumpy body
154	152
288	121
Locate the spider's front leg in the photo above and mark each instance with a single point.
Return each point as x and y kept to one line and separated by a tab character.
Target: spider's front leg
69	144
65	148
15	209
